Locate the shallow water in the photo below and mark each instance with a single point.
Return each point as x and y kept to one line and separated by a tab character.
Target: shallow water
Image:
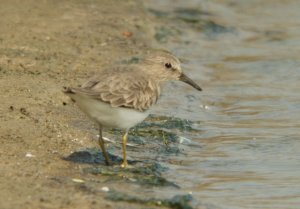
245	55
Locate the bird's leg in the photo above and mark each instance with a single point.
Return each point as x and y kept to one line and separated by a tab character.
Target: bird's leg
125	137
101	143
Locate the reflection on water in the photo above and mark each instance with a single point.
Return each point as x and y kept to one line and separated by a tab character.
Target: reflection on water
245	55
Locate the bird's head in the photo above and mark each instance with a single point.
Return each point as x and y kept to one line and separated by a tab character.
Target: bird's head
165	66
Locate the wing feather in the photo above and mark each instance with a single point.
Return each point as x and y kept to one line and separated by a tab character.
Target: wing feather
122	89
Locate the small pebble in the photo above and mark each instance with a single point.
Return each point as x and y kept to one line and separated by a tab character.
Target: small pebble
78	180
105	189
29	155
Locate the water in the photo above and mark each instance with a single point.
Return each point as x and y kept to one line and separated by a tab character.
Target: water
246	57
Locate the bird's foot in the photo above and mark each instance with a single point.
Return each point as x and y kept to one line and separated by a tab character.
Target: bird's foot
125	164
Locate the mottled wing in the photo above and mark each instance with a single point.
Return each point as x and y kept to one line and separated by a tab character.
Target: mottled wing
122	89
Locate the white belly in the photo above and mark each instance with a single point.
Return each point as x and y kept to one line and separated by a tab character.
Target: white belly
107	116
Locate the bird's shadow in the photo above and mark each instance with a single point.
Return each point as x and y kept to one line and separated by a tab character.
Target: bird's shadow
94	156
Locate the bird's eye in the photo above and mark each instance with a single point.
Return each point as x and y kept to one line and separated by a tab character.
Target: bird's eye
168	65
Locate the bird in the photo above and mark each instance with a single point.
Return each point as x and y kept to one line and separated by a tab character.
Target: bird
121	96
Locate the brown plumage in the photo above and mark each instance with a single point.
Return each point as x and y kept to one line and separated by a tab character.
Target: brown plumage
122	89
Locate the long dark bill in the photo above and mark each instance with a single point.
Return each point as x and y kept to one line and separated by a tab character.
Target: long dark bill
189	81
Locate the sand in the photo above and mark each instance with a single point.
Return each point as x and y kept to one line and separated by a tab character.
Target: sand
45	45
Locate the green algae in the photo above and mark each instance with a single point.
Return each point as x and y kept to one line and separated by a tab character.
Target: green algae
167	123
144	175
212	28
158	128
190	15
197	18
176	202
161	122
162	34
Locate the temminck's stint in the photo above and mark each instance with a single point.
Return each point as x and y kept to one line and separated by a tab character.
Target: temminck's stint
121	96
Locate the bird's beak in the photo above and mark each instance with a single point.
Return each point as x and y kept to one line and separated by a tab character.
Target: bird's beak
189	81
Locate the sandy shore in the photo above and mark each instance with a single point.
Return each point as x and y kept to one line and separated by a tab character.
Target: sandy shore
43	47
